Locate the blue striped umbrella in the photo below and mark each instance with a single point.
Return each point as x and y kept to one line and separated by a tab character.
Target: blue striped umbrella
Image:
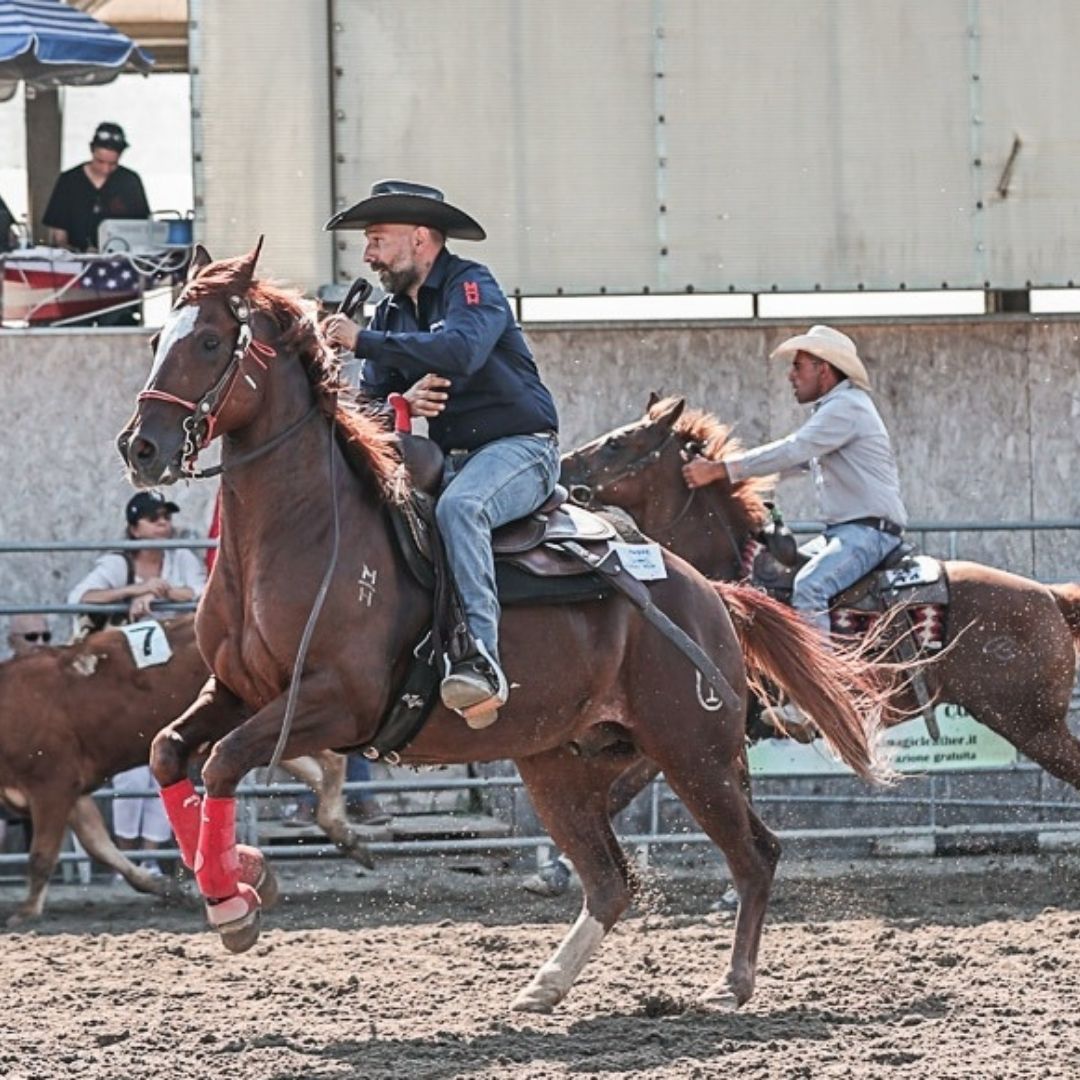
46	43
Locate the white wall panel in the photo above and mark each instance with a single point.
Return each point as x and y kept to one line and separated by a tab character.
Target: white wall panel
261	100
620	145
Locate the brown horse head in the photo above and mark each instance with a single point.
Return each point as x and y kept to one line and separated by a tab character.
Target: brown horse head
639	467
214	370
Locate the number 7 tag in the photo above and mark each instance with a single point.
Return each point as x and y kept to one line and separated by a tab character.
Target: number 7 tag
148	644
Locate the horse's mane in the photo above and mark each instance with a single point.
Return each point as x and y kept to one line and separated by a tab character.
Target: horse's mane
717	443
365	434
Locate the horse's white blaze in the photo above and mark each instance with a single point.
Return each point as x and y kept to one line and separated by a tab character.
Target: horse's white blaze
553	981
178	325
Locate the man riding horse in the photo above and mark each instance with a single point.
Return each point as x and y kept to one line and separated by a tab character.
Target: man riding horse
845	445
446	331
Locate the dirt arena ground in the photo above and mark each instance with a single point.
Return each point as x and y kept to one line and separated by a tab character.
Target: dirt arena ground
931	968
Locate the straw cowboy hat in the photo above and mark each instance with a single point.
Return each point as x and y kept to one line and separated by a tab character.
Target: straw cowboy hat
831	346
401	202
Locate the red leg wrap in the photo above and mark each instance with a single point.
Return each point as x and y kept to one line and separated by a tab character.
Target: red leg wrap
183	807
217	866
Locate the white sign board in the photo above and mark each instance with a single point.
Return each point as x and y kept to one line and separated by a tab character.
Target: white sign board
964	744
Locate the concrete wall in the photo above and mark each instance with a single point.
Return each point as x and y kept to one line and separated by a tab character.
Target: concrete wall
66	395
983	414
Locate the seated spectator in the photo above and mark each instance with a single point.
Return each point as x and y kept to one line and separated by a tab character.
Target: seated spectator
100	188
25	633
138	578
28	632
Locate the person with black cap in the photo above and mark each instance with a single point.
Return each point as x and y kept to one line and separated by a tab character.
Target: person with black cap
83	197
138	578
445	334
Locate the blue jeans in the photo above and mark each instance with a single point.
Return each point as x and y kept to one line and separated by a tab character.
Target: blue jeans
500	482
838	558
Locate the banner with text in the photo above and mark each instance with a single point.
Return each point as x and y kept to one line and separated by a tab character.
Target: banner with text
964	744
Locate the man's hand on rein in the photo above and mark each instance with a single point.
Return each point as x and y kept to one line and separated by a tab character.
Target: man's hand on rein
699	471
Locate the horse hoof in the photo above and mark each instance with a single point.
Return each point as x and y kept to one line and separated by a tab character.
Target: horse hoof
720	998
256	872
237	919
359	852
268	889
535	999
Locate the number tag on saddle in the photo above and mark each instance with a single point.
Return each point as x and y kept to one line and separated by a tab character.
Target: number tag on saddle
642	561
148	644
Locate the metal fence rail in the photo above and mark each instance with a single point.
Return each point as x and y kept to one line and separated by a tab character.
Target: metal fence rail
1048	814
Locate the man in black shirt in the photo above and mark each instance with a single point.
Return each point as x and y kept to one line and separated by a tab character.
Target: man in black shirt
100	188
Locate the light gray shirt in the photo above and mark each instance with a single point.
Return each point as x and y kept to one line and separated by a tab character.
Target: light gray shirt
849	455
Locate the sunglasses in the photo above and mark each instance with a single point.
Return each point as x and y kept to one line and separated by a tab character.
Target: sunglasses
34	636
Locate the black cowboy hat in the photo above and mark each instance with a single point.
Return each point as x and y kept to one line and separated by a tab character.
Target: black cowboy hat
401	202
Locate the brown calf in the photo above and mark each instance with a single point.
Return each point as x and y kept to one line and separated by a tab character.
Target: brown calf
74	715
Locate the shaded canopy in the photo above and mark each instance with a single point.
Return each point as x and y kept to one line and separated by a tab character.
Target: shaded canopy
46	43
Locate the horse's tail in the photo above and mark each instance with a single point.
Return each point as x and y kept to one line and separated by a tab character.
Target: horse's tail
846	697
1067	598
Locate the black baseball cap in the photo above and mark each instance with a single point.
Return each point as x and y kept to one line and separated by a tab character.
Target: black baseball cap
147	503
109	136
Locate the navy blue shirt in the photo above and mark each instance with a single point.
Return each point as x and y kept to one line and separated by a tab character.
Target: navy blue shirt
462	328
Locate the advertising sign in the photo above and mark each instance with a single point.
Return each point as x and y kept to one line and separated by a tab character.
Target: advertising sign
964	744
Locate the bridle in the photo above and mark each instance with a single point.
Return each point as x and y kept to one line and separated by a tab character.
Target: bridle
199	427
587	495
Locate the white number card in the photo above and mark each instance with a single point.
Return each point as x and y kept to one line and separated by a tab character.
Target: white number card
148	643
642	561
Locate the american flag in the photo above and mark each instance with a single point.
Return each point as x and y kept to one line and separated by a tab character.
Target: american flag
41	288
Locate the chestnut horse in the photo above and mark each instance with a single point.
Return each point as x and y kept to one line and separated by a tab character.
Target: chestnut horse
1010	656
594	686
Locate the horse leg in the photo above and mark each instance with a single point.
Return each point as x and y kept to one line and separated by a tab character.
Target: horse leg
324	773
48	811
214	713
89	826
713	788
570	795
224	869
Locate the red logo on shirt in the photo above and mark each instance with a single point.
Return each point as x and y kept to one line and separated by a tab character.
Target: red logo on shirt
472	292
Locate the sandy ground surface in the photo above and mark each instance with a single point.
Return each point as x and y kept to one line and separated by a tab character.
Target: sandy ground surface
924	968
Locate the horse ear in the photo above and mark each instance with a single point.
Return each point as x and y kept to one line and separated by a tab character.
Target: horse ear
672	412
248	266
200	259
654	397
